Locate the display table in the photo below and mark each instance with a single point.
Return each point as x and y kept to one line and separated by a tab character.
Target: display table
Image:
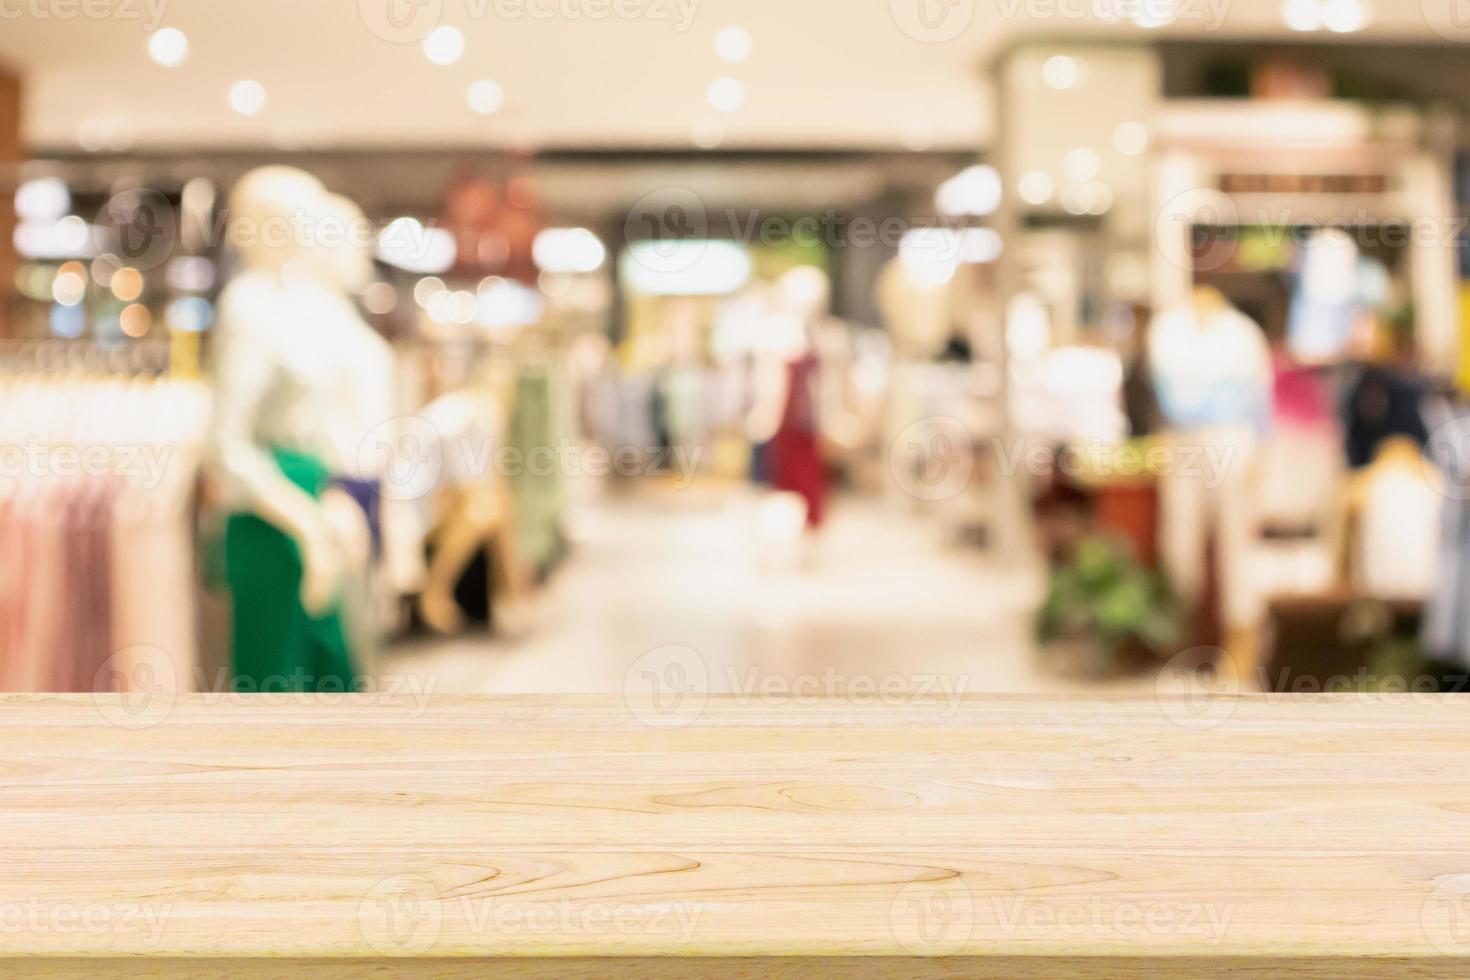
578	837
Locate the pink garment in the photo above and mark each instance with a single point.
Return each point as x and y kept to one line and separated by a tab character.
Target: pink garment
1300	397
796	456
154	632
56	622
14	581
42	529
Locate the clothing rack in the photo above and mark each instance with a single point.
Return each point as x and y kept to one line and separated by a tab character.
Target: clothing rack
97	508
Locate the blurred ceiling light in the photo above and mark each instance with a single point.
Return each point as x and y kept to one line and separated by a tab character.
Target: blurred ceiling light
408	245
425	288
1346	16
1094	198
931	254
978	246
190	314
103	269
42	199
67	320
1035	187
726	94
685	267
1130	138
127	284
974	191
1100	198
1061	72
1302	15
169	47
444	45
707	133
462	305
380	298
1082	164
247	97
505	305
485	96
69	238
73	234
441	306
69	287
734	44
928	256
190	274
568	250
1074	199
135	320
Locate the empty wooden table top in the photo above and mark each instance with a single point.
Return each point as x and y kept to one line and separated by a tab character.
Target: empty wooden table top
943	836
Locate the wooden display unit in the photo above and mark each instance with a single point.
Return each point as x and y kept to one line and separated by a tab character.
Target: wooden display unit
581	837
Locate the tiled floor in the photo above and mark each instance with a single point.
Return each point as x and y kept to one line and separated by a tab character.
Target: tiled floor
883	600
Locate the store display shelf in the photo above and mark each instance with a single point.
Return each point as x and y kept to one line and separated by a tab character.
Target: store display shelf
779	834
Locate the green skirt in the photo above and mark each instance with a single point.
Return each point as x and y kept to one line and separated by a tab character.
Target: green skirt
277	644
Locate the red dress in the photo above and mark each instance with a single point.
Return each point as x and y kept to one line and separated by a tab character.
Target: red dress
796	458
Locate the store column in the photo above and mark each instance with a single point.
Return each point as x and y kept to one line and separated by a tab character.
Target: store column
1076	223
10	154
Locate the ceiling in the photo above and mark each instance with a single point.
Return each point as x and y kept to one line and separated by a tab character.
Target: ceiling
824	73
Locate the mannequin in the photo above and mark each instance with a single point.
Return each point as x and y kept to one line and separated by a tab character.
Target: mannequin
1212	371
916	308
797	461
294	362
1396	506
355	506
474	511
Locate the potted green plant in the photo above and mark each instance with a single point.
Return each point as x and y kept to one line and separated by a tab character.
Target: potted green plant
1104	613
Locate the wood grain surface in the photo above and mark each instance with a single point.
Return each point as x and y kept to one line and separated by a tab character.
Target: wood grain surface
539	836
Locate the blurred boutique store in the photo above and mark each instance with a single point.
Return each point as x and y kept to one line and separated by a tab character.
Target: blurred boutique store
845	347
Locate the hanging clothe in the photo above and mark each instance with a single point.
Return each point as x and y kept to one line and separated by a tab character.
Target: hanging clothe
1399	510
1446	633
536	483
796	459
97	585
1326	301
1382	403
